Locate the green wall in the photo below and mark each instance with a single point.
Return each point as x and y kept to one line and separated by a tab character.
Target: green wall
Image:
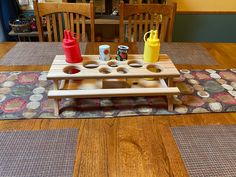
205	28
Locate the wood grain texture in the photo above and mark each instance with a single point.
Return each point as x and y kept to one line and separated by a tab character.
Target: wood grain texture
124	92
128	146
48	8
5	47
59	68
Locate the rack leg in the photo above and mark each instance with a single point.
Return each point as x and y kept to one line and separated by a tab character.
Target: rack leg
170	98
170	82
62	84
56	107
170	102
55	84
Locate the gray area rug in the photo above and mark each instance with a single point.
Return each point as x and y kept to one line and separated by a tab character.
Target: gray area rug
185	53
47	153
35	53
208	150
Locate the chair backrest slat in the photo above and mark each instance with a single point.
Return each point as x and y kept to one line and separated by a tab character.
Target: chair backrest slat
135	28
77	24
54	25
129	27
146	22
151	21
163	30
49	28
60	26
67	16
140	27
72	23
92	21
83	28
158	21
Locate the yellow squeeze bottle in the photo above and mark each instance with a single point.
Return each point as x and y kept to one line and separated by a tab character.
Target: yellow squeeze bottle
152	47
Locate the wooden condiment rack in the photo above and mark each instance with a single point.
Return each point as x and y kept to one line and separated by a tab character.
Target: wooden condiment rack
133	77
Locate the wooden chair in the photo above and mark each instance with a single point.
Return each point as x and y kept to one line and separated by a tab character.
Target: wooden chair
60	16
140	18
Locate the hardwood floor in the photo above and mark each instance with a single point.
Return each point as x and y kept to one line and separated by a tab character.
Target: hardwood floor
130	146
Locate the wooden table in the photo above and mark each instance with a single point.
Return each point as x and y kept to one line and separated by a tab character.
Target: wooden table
129	146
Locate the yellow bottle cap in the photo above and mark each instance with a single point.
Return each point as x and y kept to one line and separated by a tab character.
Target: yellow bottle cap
153	38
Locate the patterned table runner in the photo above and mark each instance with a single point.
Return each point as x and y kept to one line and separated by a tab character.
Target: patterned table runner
24	95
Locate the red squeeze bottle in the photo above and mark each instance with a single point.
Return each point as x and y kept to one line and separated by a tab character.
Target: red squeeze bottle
71	48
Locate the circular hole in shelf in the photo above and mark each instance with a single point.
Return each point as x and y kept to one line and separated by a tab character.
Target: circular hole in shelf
71	70
122	70
105	70
112	63
154	68
135	83
135	63
90	64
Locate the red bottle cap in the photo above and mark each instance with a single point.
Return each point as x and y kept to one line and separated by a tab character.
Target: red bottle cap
68	39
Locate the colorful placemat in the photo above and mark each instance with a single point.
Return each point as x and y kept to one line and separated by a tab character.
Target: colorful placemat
24	95
44	153
35	53
185	53
207	150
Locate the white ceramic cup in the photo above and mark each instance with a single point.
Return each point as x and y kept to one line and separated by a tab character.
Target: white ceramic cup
104	52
